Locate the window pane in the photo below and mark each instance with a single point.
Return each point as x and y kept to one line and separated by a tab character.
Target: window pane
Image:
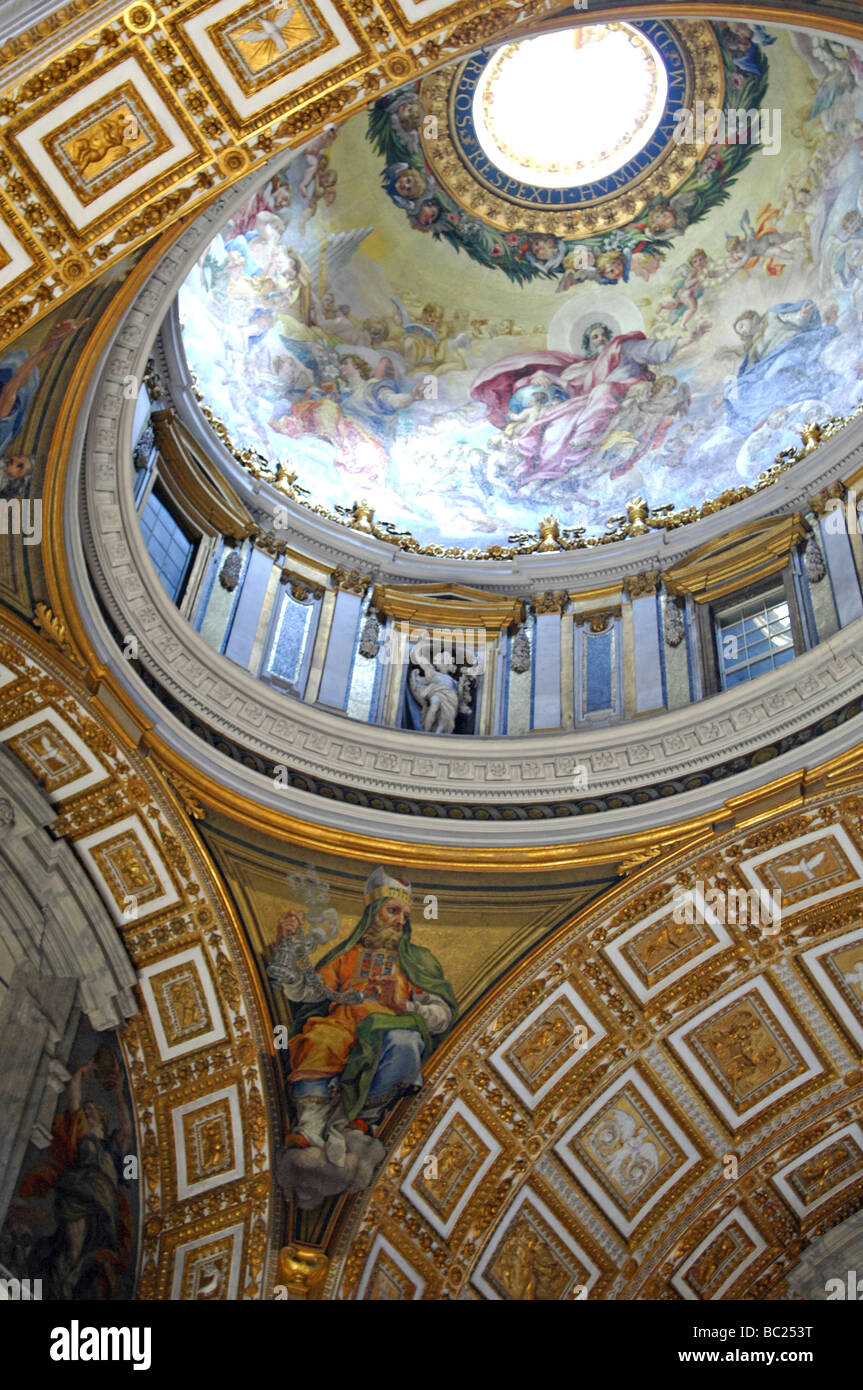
170	549
753	637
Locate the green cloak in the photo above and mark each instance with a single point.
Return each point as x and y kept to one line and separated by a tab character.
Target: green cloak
424	972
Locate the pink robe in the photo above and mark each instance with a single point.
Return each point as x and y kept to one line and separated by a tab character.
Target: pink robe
596	386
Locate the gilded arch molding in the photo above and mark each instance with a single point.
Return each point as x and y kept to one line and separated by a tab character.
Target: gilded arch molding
200	1206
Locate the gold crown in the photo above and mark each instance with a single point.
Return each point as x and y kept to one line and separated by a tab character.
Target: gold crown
382	885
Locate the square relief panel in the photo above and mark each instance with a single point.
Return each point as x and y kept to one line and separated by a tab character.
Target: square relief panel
182	1004
720	1259
627	1151
54	753
809	870
836	967
388	1277
251	57
208	1269
455	1159
92	151
532	1258
819	1174
746	1052
208	1142
546	1045
657	952
129	870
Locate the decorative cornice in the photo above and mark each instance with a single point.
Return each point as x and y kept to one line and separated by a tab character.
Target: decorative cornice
351	581
549	602
641	585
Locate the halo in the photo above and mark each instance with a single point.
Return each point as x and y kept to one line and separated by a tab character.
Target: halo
602	303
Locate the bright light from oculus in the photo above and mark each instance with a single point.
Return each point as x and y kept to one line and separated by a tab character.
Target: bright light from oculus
568	108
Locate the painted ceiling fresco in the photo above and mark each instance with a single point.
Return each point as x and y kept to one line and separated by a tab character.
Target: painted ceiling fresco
398	320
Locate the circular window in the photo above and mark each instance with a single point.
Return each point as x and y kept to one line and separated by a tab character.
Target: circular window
565	109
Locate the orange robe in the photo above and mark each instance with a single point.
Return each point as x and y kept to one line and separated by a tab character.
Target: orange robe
321	1049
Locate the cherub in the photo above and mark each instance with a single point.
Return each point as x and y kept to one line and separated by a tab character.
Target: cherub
406	116
672	216
603	268
688	290
314	154
545	251
15	476
323	189
405	185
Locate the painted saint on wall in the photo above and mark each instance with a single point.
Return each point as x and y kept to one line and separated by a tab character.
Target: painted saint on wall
72	1221
365	1020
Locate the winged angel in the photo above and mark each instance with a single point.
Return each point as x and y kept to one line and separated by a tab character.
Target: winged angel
440	693
273	35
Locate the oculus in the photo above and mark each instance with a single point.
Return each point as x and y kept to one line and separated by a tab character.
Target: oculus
535	104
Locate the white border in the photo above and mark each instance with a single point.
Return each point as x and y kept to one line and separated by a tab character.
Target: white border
600	1195
837	832
88	843
514	1081
194	1189
457	1108
381	1243
528	1195
48	715
195	31
236	1232
30	141
703	1077
738	1217
780	1177
614	952
216	1034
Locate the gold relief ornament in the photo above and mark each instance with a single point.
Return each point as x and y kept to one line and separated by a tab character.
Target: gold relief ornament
549	602
351	581
234	161
139	19
642	585
303	1271
599	621
74	270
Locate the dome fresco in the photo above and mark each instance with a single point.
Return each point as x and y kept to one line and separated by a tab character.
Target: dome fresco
396	319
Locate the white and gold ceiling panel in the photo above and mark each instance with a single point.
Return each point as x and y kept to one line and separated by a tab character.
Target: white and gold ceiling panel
461	1150
509	1270
54	753
128	869
657	952
815	1177
836	966
547	1045
746	1052
92	152
720	1259
183	1004
257	60
208	1142
208	1268
388	1277
627	1150
808	870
